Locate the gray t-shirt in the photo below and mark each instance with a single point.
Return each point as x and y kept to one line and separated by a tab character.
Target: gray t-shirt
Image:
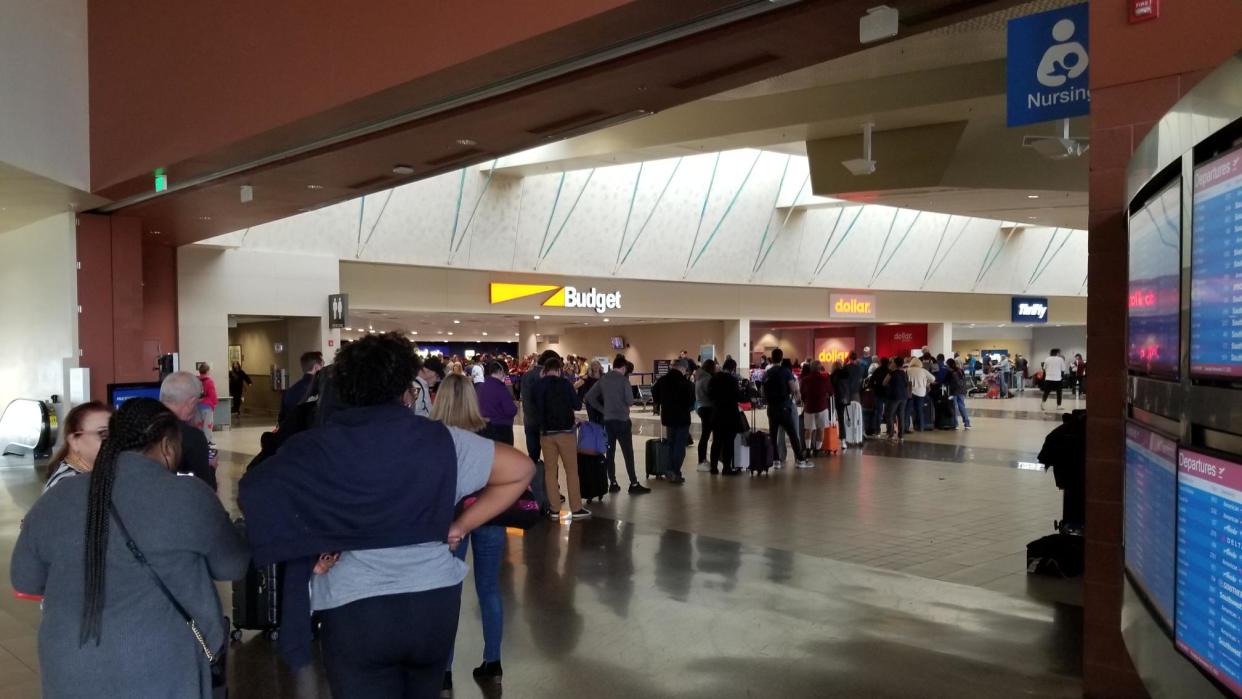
394	571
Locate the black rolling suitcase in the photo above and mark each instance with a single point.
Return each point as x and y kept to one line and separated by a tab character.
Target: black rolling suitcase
659	454
592	476
943	405
256	600
762	451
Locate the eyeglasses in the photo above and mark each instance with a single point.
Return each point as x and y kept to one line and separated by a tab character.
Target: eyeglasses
102	433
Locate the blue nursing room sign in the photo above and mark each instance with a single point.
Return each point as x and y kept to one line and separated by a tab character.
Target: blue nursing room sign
1047	66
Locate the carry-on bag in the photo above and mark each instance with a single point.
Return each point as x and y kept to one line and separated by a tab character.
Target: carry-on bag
591	438
256	599
832	439
853	424
761	451
592	476
659	457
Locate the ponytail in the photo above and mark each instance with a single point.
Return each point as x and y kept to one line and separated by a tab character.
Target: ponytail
136	426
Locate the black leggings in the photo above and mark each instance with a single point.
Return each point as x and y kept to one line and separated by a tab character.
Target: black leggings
392	646
722	448
705	418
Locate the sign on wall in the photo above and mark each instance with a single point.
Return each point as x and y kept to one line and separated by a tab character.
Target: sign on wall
1029	309
338	311
1047	66
562	296
900	340
833	349
851	306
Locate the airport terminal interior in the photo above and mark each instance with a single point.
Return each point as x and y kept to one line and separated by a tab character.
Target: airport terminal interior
812	348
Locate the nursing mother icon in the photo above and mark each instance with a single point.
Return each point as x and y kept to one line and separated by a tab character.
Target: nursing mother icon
1063	61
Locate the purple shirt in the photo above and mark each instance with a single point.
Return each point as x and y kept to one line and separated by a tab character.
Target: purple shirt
496	402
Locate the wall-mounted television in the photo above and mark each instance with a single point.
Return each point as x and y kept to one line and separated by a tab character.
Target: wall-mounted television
618	343
1149	524
1153	327
1216	269
1208	617
120	392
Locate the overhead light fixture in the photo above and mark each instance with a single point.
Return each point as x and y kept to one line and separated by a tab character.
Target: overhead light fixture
350	330
517	334
879	23
314	186
204	218
1061	147
536	317
1032	196
467	142
1032	218
450	333
864	165
536	334
456	322
413	332
608	320
246	194
402	170
156	233
484	334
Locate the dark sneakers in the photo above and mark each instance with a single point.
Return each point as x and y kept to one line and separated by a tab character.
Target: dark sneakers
583	513
638	489
674	479
488	672
614	487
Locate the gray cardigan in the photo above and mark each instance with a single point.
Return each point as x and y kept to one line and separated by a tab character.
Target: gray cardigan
146	649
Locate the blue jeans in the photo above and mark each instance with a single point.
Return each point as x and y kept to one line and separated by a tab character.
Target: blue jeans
489	549
959	401
916	410
1006	382
895	417
678	438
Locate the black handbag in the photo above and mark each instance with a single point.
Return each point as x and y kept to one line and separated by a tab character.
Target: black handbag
214	658
524	513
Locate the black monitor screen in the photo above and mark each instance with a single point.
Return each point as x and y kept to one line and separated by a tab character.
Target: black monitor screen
1155	291
1208	619
120	392
1149	526
1216	269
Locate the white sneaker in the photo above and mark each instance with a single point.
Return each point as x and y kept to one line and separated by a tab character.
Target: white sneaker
777	465
804	464
704	467
1043	405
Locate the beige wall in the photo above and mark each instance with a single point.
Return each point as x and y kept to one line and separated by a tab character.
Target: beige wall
647	342
796	344
382	287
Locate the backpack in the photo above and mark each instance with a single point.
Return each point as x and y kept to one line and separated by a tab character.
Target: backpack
776	387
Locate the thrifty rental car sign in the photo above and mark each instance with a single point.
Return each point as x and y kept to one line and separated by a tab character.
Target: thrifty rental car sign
562	296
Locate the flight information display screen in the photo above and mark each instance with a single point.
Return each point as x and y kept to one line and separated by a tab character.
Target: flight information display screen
1216	269
1208	621
1155	284
1149	526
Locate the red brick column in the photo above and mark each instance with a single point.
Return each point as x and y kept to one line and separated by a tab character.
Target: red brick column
1137	73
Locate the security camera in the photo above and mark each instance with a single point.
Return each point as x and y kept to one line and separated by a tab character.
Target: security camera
859	166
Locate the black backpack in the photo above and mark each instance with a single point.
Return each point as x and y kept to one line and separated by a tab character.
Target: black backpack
776	387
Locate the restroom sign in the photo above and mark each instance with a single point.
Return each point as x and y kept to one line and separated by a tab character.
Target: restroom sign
851	306
1047	76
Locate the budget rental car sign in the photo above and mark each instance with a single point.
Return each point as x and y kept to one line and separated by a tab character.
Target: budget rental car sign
562	296
851	306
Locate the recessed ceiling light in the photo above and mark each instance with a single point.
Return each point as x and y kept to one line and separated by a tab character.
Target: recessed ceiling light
314	186
467	142
156	233
1032	218
402	170
536	317
450	332
457	322
517	334
204	218
537	335
484	334
608	320
413	332
349	330
1032	196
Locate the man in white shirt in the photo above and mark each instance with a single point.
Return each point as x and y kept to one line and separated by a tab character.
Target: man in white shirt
1054	373
476	372
427	376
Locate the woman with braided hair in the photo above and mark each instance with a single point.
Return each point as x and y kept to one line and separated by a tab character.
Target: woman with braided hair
108	628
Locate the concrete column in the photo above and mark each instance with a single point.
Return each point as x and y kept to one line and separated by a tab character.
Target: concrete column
527	342
940	338
736	343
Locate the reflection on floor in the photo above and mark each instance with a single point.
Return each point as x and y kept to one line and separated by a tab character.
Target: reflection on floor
891	571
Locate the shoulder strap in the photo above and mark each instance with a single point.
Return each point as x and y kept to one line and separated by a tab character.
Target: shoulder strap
142	560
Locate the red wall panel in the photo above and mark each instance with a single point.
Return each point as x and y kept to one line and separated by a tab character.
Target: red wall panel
127	316
159	298
899	340
94	242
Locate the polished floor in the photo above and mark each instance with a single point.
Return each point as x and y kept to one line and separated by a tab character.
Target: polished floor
891	571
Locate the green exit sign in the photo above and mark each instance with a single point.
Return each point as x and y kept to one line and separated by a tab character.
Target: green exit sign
161	180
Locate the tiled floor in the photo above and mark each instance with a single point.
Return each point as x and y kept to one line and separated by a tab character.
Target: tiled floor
896	570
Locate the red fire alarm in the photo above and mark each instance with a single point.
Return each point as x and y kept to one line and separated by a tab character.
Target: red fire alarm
332	343
1143	10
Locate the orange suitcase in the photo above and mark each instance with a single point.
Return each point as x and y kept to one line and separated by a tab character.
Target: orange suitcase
832	440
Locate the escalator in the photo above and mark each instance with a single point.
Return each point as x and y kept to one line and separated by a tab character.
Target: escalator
29	428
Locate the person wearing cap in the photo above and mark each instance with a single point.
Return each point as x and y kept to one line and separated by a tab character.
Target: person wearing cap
428	374
674	393
865	361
